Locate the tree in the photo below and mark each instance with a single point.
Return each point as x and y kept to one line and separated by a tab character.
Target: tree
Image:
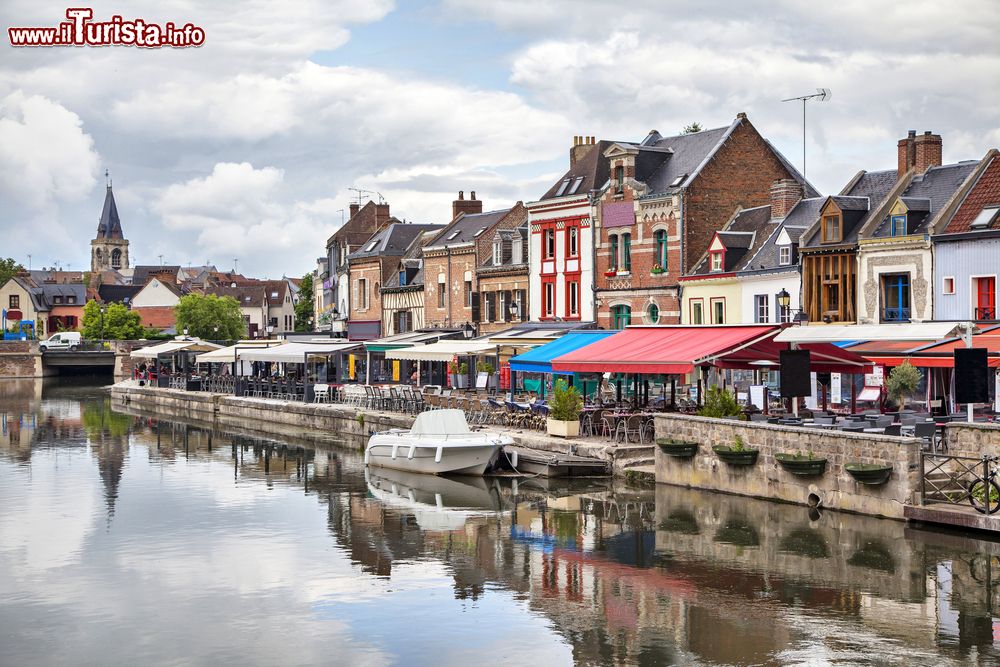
118	322
719	403
210	317
8	269
304	308
693	128
902	382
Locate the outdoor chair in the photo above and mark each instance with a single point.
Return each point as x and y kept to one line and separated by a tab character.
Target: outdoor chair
927	431
882	422
516	415
628	428
321	393
893	429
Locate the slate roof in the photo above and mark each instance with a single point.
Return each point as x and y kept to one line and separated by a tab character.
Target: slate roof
49	293
411	260
393	241
743	235
935	187
274	291
804	213
984	192
117	293
506	238
143	273
246	295
593	167
689	151
359	228
863	196
464	228
110	226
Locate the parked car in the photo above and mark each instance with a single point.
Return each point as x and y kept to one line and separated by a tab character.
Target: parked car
66	340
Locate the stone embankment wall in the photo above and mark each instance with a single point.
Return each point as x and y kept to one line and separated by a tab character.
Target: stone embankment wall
20	359
972	440
835	488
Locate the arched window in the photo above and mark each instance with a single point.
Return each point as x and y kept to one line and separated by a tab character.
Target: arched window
116	259
660	240
653	313
621	316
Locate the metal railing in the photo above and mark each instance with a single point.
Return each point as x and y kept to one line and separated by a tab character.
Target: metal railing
986	314
949	479
895	314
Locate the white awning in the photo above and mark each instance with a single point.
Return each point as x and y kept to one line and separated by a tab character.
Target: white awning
295	353
227	355
831	333
443	350
172	346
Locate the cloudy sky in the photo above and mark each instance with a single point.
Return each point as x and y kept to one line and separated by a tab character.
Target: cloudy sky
247	147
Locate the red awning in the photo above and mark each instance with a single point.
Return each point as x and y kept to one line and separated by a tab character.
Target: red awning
935	355
674	350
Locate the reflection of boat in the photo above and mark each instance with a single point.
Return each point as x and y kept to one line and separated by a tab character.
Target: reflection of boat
439	442
437	503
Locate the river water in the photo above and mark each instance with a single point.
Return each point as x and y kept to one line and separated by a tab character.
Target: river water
126	539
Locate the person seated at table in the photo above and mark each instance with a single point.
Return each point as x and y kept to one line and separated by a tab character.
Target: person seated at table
606	391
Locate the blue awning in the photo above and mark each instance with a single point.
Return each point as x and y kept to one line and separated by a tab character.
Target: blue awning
539	359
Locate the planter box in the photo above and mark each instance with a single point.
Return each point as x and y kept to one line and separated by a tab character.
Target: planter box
801	465
462	382
869	473
569	429
681	450
747	457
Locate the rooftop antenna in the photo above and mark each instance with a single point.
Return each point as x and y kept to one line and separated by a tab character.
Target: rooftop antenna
362	192
236	265
821	95
29	262
161	259
341	212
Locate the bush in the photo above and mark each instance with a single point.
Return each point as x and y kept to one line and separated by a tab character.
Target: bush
719	403
902	382
566	403
484	367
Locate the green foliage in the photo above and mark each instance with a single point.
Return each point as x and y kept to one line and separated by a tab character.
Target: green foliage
8	269
152	333
484	367
118	322
902	381
99	419
738	445
566	403
200	314
719	403
304	308
693	128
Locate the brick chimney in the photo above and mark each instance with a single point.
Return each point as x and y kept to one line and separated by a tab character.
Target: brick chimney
354	209
463	205
581	146
785	193
381	216
927	149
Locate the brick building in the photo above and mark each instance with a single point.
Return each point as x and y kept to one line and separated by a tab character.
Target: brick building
369	268
502	272
403	290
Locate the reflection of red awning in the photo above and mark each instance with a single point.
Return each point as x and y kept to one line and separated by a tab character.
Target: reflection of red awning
678	349
931	354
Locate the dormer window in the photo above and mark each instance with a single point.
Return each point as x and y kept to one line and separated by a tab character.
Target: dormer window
897	225
832	229
785	255
619	179
716	259
516	251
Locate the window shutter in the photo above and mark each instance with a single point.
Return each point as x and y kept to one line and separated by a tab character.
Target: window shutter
522	304
476	315
354	293
505	316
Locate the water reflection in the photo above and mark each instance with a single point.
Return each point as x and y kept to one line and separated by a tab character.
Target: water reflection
108	520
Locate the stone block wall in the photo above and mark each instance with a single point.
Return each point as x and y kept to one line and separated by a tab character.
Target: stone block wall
972	440
834	489
20	359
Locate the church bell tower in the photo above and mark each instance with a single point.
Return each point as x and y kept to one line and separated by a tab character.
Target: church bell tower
109	250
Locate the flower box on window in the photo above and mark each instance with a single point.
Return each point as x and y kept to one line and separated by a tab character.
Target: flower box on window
657	270
623	272
611	273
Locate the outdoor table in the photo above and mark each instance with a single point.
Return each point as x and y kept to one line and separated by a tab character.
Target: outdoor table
874	430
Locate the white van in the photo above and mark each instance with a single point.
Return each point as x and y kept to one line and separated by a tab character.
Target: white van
67	340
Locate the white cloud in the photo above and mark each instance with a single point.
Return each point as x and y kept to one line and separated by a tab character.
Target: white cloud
45	155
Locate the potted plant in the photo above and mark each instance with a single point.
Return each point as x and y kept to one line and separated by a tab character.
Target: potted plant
902	382
453	372
869	473
487	367
736	454
565	406
720	403
657	270
801	464
677	448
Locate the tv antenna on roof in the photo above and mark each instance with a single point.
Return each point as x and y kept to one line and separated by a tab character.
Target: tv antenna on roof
821	95
361	193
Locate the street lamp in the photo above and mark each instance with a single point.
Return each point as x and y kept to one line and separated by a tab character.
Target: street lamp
468	330
185	332
216	330
270	330
103	310
514	310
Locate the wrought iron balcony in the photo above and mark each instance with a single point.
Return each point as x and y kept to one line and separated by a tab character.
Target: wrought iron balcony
895	314
986	313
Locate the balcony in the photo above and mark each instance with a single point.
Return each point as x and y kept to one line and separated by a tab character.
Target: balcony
896	315
985	314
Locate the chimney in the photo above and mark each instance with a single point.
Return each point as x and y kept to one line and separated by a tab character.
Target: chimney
785	193
905	154
581	146
463	205
354	209
927	151
381	216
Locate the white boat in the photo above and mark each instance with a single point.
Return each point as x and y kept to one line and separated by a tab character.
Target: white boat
439	442
437	503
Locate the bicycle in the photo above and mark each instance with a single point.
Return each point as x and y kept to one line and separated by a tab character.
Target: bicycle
984	494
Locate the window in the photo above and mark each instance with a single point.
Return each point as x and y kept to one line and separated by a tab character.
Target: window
785	255
497	252
948	285
116	258
896	297
697	311
760	309
897	225
490	309
621	316
502	306
985	217
653	313
371	246
478	232
986	298
660	241
15	301
573	289
831	229
548	299
57	300
516	250
549	243
402	278
442	289
619	179
716	261
573	242
453	235
70	299
468	293
402	321
719	311
627	252
362	294
562	188
576	185
613	258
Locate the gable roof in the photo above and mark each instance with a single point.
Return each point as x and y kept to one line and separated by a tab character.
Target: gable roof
359	227
109	226
392	241
592	168
143	273
117	293
984	192
411	261
927	193
246	295
863	195
742	236
466	228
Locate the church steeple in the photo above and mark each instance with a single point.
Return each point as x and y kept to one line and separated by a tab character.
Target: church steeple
109	250
110	226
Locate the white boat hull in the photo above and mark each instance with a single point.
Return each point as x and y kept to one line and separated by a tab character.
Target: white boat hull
434	457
